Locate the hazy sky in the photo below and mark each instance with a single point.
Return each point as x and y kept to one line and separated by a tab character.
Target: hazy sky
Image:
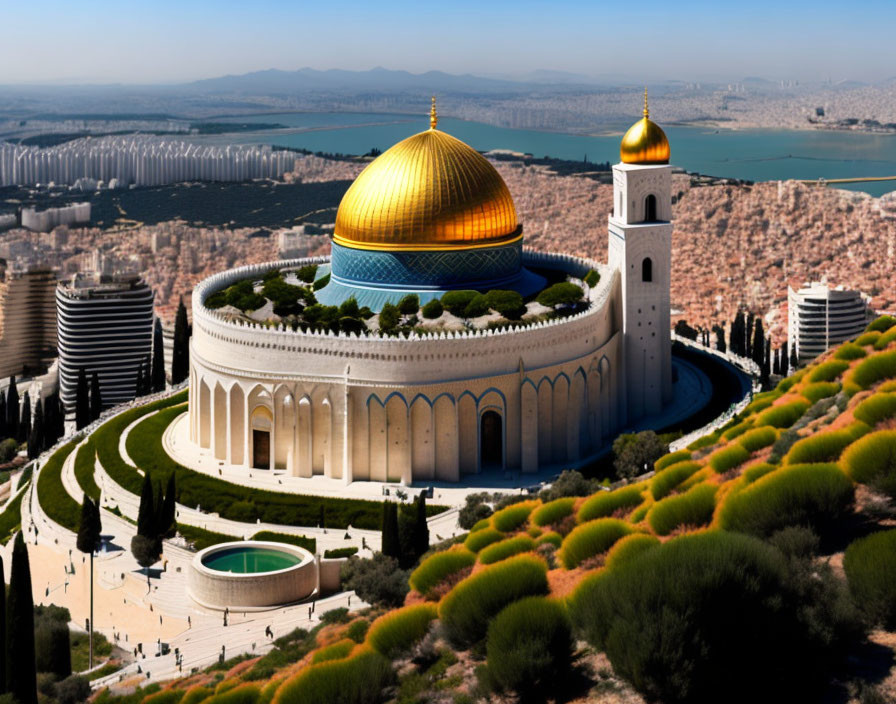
173	41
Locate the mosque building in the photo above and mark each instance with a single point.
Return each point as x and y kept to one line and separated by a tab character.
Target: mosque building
427	216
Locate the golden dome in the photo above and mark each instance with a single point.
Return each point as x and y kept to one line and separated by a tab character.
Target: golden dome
429	191
645	142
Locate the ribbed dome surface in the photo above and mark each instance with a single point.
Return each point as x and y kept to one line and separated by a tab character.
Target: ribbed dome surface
429	191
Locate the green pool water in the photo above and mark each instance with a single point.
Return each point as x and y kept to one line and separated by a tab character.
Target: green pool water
250	560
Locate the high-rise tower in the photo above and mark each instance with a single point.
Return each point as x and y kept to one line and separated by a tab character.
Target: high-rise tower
640	246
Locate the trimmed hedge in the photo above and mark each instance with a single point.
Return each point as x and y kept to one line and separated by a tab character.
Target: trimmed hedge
873	369
884	340
553	511
506	548
232	501
551	537
359	679
763	400
200	538
819	390
876	408
871	457
629	547
466	610
85	467
868	338
693	508
397	631
605	503
310	544
814	495
664	482
728	457
881	324
54	499
590	539
438	567
478	540
849	351
737	429
826	446
512	517
338	553
755	471
670	459
758	438
530	646
827	371
783	416
705	441
335	651
870	564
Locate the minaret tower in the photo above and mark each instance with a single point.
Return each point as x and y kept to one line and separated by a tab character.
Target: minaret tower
640	247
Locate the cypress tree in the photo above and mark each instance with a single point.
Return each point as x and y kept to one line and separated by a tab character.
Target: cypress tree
757	348
3	433
421	528
96	397
158	512
89	531
36	437
391	546
12	409
25	419
748	337
158	359
794	360
21	675
82	401
2	635
169	509
180	353
146	516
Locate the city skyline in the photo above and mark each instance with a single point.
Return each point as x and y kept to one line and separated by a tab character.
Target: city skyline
171	42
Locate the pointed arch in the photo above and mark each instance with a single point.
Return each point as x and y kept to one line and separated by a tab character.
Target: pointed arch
467	432
304	437
376	418
237	425
560	406
529	426
398	463
205	420
446	442
545	421
422	440
219	415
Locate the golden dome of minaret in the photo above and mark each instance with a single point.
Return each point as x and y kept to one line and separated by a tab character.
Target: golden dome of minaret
645	142
429	191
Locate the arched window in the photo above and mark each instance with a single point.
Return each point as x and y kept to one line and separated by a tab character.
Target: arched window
650	208
647	269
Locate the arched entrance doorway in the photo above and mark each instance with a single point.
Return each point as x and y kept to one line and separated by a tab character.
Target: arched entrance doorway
261	425
491	440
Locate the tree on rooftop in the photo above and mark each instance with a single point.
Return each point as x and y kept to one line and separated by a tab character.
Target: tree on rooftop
563	294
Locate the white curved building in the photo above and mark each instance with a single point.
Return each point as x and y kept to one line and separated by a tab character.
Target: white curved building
431	215
819	317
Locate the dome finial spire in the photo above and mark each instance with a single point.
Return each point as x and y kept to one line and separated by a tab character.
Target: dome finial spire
646	110
433	116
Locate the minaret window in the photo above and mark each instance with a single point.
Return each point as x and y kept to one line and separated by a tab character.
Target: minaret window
647	269
650	208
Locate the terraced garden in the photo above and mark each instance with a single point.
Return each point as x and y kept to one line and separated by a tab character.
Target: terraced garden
709	581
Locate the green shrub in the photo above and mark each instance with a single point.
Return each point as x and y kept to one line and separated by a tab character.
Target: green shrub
357	630
881	324
758	438
397	631
870	564
335	651
826	446
507	303
714	612
551	537
827	371
389	318
240	693
476	307
849	351
310	544
359	679
433	309
307	273
665	481
11	516
321	282
705	441
885	339
196	694
85	468
200	538
783	416
819	390
873	369
728	457
456	302
763	400
409	304
813	495
868	338
338	553
737	429
693	508
481	525
872	458
478	540
553	511
512	517
605	503
590	539
563	293
670	459
876	408
754	471
52	495
438	567
629	547
529	647
592	278
506	548
466	609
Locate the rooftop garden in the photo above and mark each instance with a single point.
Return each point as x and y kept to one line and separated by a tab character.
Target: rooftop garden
718	572
287	296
